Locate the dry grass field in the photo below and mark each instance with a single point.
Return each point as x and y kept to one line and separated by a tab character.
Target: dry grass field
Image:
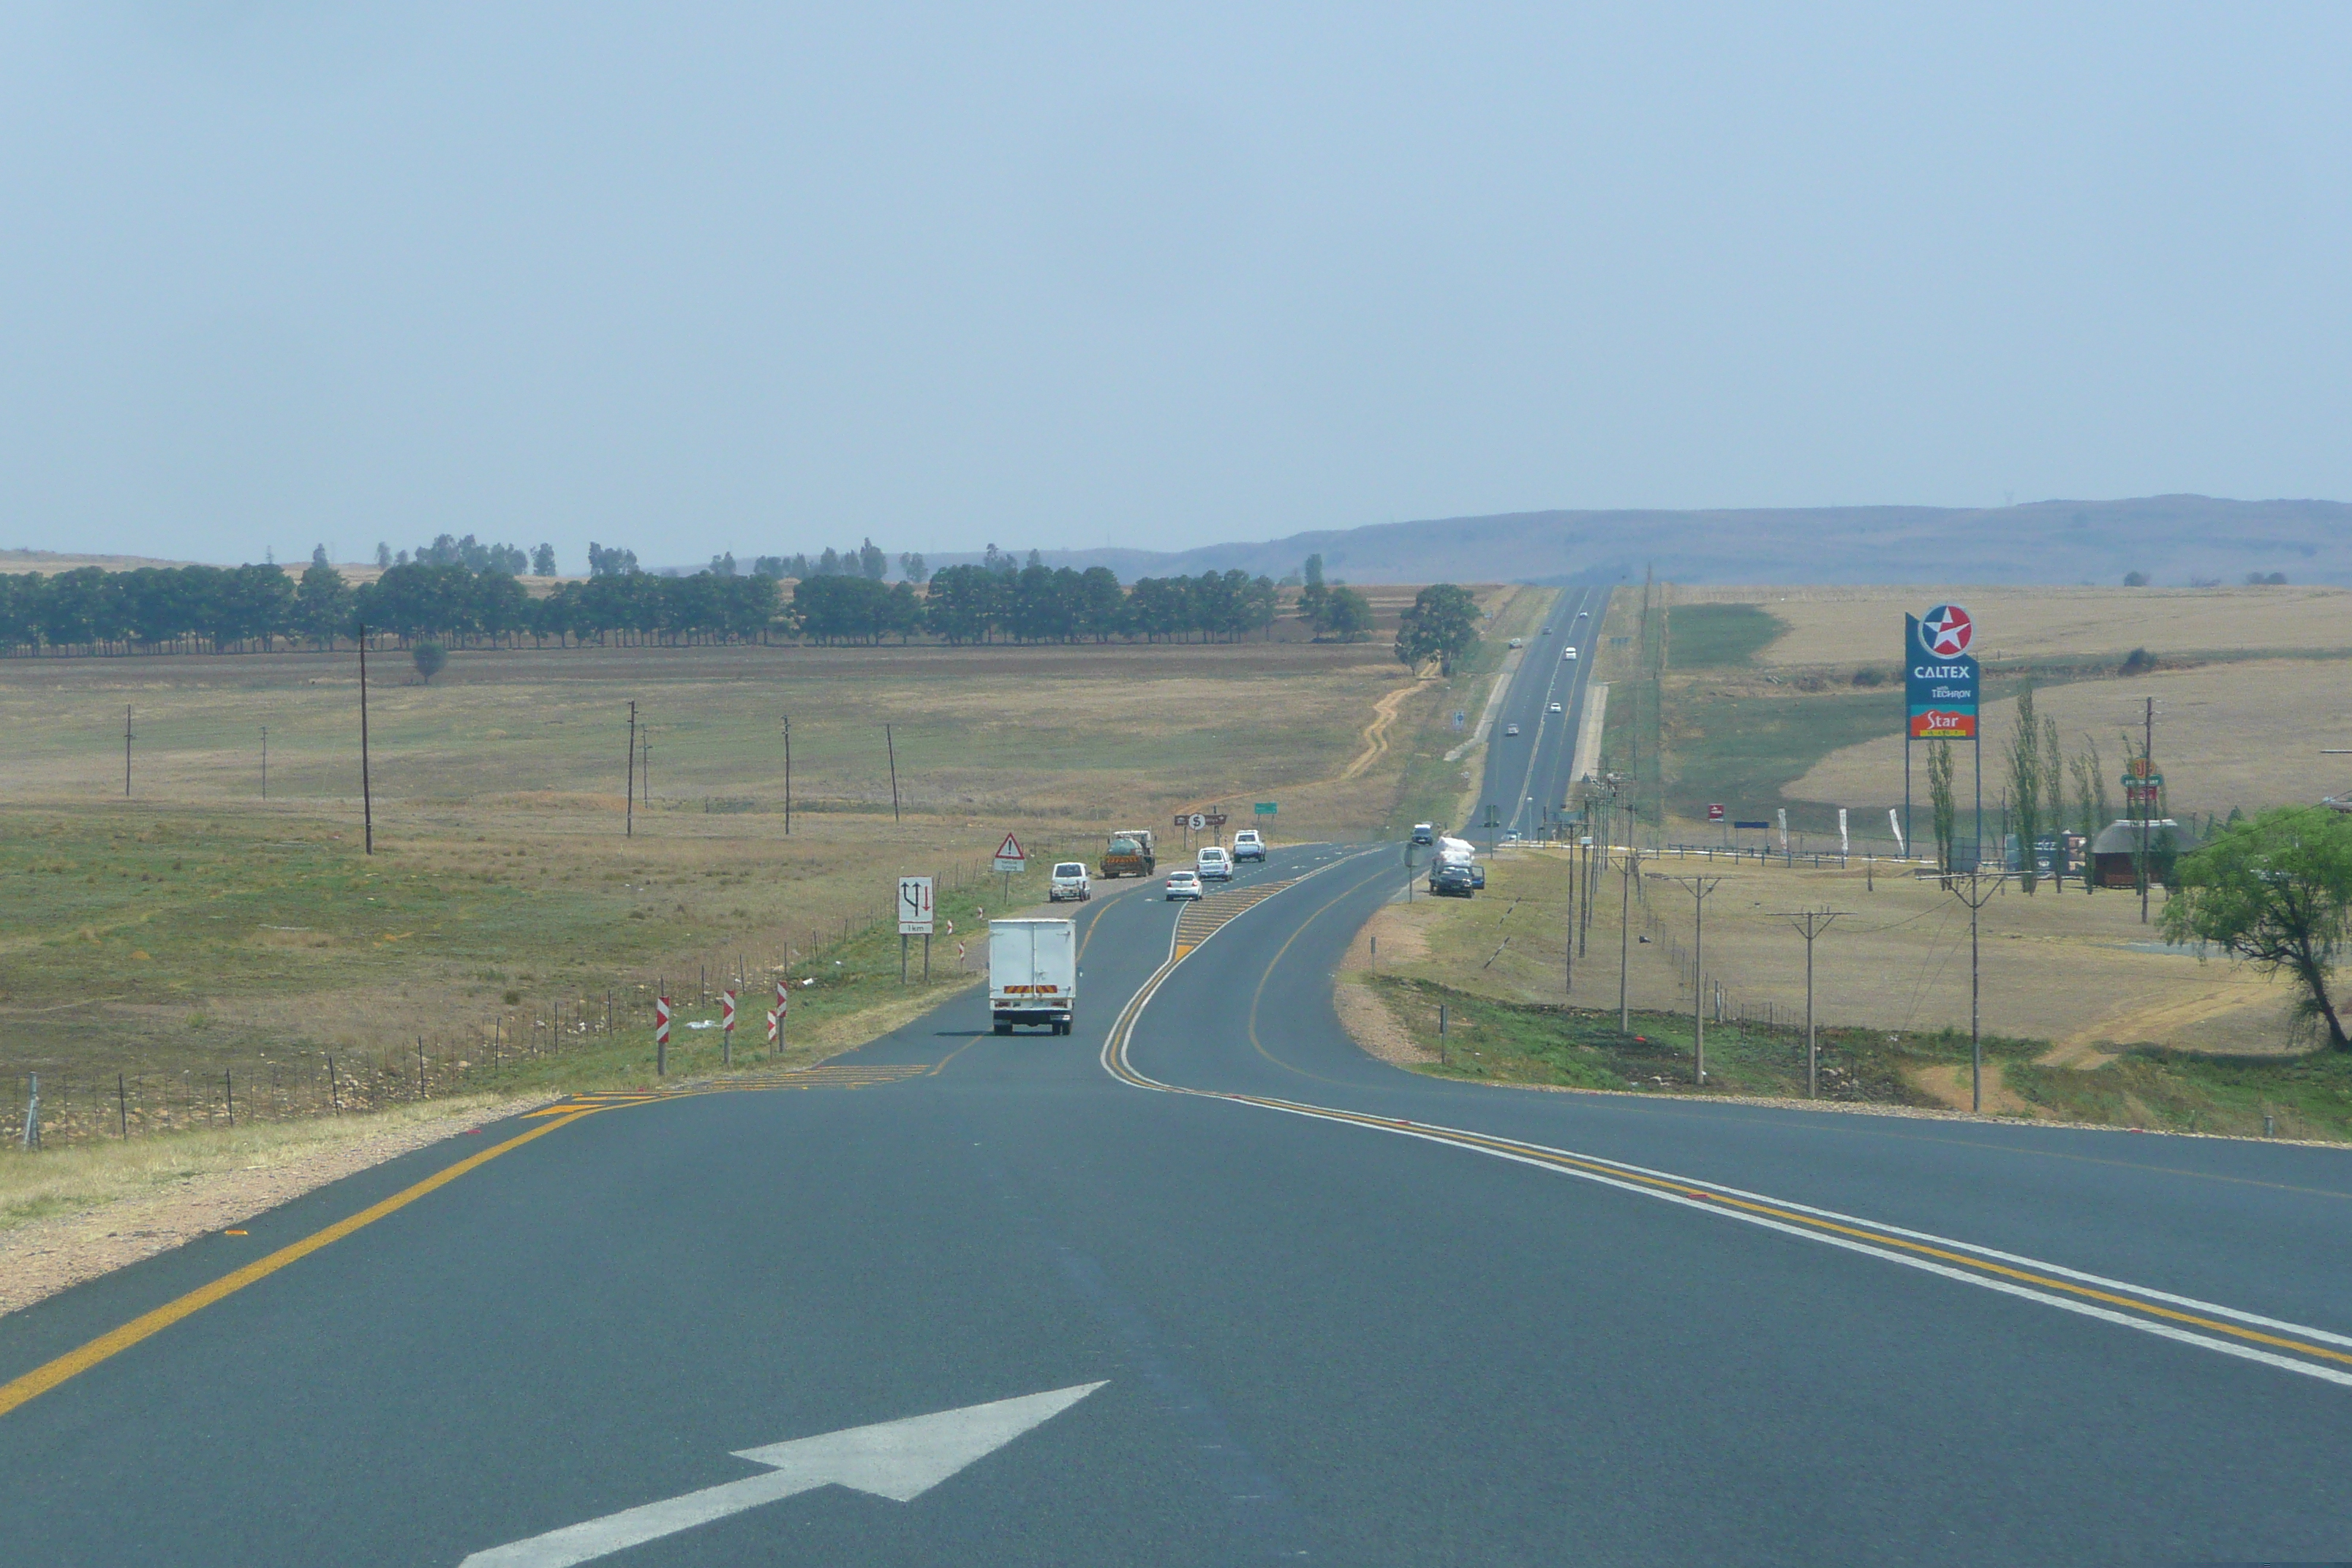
1863	624
2086	1013
2246	734
196	934
2078	970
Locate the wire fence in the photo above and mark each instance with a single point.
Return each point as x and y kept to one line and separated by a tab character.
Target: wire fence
59	1106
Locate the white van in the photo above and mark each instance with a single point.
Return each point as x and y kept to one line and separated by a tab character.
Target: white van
1033	974
1070	881
1214	864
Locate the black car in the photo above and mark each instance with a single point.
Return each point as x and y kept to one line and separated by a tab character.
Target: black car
1452	879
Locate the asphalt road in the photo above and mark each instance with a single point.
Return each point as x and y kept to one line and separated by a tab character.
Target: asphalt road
1527	775
1338	1311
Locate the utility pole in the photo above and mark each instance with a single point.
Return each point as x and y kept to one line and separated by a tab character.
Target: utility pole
265	761
629	822
788	775
126	751
2147	800
1976	897
1700	887
367	798
1630	867
893	747
1811	923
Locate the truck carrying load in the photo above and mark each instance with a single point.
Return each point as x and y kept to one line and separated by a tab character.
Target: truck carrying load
1033	974
1131	853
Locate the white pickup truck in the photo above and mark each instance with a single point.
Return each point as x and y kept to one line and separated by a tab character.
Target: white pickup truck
1214	864
1033	974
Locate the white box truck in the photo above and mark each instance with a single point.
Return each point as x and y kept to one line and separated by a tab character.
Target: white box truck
1033	974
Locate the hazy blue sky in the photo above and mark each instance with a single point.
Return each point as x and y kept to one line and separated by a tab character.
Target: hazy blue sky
766	278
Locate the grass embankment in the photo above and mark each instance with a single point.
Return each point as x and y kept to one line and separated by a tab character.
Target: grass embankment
1534	1043
2086	1018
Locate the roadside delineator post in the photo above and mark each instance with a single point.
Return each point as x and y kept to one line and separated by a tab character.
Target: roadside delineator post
727	1024
661	1036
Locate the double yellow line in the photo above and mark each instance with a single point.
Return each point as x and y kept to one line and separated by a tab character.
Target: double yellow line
2292	1347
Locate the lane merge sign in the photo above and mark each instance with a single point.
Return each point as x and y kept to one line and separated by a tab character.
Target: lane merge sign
917	911
1010	856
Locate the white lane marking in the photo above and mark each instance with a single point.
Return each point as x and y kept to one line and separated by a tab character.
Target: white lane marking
1544	1157
897	1459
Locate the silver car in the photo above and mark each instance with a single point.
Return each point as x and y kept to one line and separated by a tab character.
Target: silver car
1184	884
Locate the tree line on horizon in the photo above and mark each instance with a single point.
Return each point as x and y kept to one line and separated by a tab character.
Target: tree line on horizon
465	595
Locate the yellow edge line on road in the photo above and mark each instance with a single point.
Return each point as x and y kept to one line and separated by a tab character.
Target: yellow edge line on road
43	1378
1787	1217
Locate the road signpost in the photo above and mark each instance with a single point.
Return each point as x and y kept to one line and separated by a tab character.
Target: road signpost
661	1036
726	1026
1263	809
917	912
776	1018
1011	857
1940	690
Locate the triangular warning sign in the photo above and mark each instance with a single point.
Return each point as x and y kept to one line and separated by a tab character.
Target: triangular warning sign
1011	849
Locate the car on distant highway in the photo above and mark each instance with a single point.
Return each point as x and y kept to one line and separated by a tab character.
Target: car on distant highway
1582	614
1546	631
1512	836
1424	833
1510	729
1567	654
1213	863
1555	707
1450	879
1069	882
1518	642
1249	845
1184	884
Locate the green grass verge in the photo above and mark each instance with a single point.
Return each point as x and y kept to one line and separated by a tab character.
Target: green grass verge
1504	1042
1708	636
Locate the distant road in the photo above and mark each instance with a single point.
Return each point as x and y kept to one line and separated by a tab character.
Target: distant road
1528	776
1251	1295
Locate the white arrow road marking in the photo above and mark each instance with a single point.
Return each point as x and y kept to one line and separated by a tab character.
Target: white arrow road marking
897	1459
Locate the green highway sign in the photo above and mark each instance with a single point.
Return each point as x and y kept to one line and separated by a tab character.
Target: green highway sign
1266	809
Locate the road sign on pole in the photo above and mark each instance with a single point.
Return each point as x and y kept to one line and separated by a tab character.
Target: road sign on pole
917	911
661	1036
726	1023
1010	856
1265	808
1715	813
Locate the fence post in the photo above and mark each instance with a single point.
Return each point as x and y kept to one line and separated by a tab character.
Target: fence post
229	1081
33	1113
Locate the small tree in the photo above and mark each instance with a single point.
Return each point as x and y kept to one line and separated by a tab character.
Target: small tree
542	561
1312	593
2275	892
1443	624
1346	615
319	556
2025	765
430	657
2053	799
1941	807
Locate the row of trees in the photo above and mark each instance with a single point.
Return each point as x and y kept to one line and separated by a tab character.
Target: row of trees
227	608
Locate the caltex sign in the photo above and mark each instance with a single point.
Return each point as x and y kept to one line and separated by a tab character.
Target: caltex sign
1939	677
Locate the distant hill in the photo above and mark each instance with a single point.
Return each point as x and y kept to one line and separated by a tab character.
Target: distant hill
2175	540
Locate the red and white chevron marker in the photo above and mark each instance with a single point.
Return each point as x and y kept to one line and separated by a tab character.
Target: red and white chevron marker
661	1020
771	1025
783	997
727	1009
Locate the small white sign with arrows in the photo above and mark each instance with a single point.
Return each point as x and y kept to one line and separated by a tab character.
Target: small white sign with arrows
897	1459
